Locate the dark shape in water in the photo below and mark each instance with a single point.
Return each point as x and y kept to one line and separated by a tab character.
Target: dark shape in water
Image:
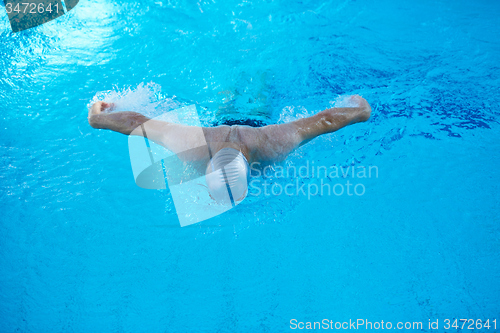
29	14
244	122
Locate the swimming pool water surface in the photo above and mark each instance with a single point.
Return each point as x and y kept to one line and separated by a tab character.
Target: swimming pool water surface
83	249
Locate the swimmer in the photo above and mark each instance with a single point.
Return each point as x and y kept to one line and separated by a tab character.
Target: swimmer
232	146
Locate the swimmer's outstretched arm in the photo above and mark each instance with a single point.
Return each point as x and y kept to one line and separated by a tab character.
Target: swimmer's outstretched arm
277	141
177	138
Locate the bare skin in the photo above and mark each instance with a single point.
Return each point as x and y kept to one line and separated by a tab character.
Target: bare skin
266	144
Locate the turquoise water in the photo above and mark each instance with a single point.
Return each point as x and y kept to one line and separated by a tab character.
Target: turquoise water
83	249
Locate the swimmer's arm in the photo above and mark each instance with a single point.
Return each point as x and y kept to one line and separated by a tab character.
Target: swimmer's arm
273	143
331	120
180	139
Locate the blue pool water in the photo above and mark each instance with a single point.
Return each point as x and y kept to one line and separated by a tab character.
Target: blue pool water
83	249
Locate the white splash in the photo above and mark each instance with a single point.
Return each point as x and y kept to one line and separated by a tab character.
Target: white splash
146	99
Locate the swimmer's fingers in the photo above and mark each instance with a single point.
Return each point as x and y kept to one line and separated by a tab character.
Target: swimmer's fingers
101	106
110	106
360	101
357	99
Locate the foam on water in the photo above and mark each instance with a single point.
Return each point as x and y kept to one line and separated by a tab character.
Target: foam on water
344	101
146	99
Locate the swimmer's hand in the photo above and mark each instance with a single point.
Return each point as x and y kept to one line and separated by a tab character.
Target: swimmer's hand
366	109
98	108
